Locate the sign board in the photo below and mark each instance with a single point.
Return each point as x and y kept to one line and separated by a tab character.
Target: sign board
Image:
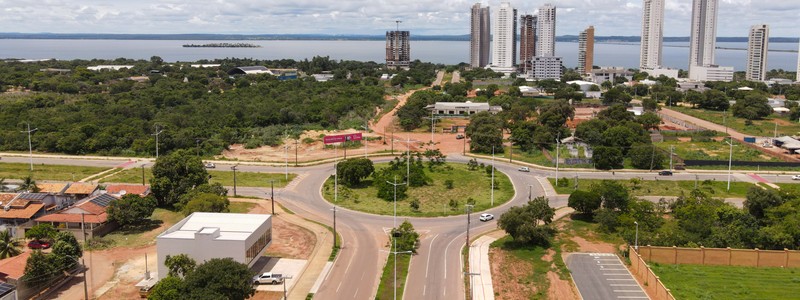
332	139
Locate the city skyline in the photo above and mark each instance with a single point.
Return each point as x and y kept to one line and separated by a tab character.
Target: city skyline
617	17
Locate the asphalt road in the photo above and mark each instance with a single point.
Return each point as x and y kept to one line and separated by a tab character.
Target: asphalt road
602	276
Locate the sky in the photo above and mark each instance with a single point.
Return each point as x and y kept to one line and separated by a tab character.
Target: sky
371	17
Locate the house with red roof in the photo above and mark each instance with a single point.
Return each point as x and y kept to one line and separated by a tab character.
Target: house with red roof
89	214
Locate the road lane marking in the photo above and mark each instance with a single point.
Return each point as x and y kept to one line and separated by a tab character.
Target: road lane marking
428	264
628	291
345	272
628	279
615	274
445	257
623	284
632	297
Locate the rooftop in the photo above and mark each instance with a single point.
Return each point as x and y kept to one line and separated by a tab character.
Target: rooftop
81	188
122	189
25	212
231	226
14	267
53	188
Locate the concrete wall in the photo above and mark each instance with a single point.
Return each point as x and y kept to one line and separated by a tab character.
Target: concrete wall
199	250
721	257
650	282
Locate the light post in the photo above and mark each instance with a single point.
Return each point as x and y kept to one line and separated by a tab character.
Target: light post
671	153
334	226
234	180
529	192
468	207
470	274
395	184
636	243
142	175
30	147
492	204
197	145
394	238
730	162
284	286
272	194
558	148
296	145
366	129
158	132
286	164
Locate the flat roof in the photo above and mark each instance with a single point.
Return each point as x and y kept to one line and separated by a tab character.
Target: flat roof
231	226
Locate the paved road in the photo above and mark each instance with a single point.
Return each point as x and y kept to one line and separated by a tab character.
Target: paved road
602	276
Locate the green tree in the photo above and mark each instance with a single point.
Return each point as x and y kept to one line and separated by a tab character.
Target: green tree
205	202
615	113
591	131
41	231
28	184
752	107
646	157
220	278
485	131
179	265
39	268
758	201
715	100
607	158
131	209
695	98
176	174
650	104
584	202
616	95
9	246
169	288
614	195
620	137
649	120
353	170
522	223
406	237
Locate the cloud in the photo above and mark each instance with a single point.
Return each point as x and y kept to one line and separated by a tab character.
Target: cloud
610	17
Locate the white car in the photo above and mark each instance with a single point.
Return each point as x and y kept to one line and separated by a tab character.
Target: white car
524	169
486	217
210	166
795	177
268	278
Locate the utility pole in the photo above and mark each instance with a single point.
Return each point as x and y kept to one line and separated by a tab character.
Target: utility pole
158	132
284	286
468	207
776	130
529	192
272	194
366	130
558	147
334	225
234	180
394	238
197	145
335	174
730	162
492	204
142	175
30	146
392	140
636	245
286	163
671	153
433	124
296	145
464	147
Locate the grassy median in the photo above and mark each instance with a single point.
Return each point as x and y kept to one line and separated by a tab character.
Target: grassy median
249	179
47	172
387	284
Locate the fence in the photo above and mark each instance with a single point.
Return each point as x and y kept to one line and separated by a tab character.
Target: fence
652	284
705	162
721	256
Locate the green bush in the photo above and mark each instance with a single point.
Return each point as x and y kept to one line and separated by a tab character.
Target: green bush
448	184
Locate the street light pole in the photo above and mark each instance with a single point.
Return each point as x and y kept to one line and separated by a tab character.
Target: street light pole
492	204
272	194
158	132
558	147
671	153
730	162
284	286
394	239
234	180
636	245
142	174
366	130
335	174
286	165
529	192
334	225
30	146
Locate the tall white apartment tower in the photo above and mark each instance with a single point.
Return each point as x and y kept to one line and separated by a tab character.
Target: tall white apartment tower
504	40
704	34
652	34
757	47
546	31
798	65
479	37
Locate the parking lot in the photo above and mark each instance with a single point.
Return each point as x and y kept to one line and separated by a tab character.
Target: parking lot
603	276
283	266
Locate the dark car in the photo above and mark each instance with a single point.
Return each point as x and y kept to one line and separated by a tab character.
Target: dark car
460	136
38	245
665	173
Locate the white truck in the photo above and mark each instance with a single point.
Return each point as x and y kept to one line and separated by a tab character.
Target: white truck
268	278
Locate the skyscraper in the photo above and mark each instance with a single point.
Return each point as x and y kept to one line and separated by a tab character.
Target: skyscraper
586	50
398	50
527	42
504	39
798	65
479	37
757	46
546	31
704	34
652	34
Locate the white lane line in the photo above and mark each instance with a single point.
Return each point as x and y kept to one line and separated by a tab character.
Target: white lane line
628	279
424	287
355	296
628	291
632	297
623	284
445	257
345	272
430	251
615	274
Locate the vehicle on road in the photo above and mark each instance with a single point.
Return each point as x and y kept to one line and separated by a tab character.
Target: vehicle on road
486	217
210	165
796	177
524	169
268	278
665	173
38	244
459	136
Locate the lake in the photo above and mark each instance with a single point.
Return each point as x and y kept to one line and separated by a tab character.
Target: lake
446	52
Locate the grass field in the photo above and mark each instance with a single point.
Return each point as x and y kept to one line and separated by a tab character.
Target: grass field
759	128
47	172
385	288
714	150
663	187
137	236
434	198
728	282
250	179
241	207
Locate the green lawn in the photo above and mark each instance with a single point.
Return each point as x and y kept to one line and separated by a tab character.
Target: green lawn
727	282
434	198
47	172
663	187
387	278
138	236
241	207
714	150
250	179
759	128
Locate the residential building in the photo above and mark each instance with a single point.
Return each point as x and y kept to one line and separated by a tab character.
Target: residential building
798	65
584	85
461	108
52	188
691	86
703	40
398	49
203	236
80	190
527	41
652	34
504	39
757	47
669	72
712	73
16	212
546	31
109	67
86	217
120	190
546	67
586	50
609	74
479	37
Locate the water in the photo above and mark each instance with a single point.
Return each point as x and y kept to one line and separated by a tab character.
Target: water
446	52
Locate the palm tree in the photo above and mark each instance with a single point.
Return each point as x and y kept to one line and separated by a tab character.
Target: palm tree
3	185
28	184
8	245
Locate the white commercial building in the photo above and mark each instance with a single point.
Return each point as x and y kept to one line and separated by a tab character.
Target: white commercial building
652	34
703	41
546	31
711	73
203	236
504	39
462	108
757	47
109	67
546	67
669	72
609	74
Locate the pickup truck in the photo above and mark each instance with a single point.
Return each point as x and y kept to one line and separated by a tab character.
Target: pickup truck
268	278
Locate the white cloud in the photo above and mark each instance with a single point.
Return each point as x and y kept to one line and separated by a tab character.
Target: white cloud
610	17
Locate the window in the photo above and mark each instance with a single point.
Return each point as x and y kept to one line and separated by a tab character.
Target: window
259	245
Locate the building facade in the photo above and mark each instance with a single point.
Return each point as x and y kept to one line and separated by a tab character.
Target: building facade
479	38
652	34
504	38
547	67
703	40
398	49
757	47
586	50
712	73
453	109
798	65
546	31
527	41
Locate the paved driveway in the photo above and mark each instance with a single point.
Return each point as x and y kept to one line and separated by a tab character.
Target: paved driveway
602	276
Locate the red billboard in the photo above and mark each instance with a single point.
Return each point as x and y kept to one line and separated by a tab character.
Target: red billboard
332	139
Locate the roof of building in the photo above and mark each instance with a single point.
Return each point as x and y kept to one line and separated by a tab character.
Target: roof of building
122	189
744	88
53	188
92	209
7	288
25	212
6	197
14	267
462	105
231	226
32	196
581	82
74	218
81	188
248	70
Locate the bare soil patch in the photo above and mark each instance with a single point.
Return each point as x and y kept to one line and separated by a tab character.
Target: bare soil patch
507	272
